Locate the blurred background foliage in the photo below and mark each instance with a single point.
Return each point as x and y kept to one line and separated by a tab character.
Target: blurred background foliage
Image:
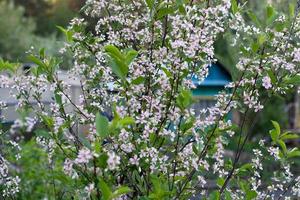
32	23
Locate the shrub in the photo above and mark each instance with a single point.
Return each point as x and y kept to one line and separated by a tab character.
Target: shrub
143	139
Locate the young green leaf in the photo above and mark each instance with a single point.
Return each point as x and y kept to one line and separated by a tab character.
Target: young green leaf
283	146
37	61
271	14
289	136
277	127
220	181
5	65
114	52
68	33
150	4
138	80
120	191
293	153
105	190
130	56
184	99
261	39
245	167
101	125
274	135
254	18
118	62
295	80
292	10
215	195
234	6
272	76
164	12
251	194
126	121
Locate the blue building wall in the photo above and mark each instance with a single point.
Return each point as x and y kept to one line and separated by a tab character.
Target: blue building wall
216	80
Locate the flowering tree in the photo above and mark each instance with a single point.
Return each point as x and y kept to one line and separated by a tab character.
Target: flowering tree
144	140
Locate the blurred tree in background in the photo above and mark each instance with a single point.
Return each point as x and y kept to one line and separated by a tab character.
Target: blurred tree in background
32	23
17	32
50	13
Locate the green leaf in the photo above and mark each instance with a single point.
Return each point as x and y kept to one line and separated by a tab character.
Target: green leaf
228	195
5	65
283	146
130	56
47	120
150	4
261	39
37	61
184	99
293	153
101	125
254	47
272	76
114	52
220	182
276	126
275	133
138	80
292	10
180	6
160	187
234	6
215	195
245	167
126	121
118	62
85	141
121	191
279	26
187	124
42	133
253	18
195	150
118	68
68	33
295	80
58	99
250	194
105	190
270	14
42	53
288	136
167	72
164	12
103	160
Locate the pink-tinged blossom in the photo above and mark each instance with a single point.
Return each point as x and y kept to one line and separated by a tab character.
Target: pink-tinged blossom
134	160
296	187
274	151
127	147
69	170
11	186
113	161
89	188
297	55
84	156
267	82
